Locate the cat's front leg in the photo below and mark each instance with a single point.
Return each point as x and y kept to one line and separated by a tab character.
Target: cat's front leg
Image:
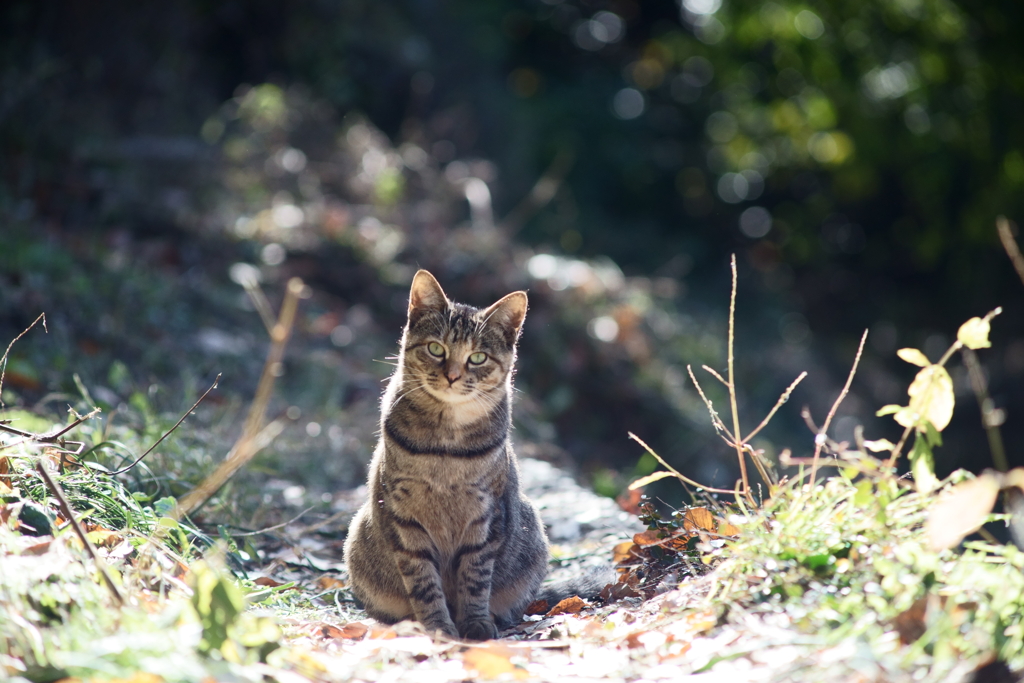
474	569
423	585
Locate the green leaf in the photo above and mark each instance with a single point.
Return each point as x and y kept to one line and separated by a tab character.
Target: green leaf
932	435
974	334
922	464
879	445
865	494
931	398
888	410
914	356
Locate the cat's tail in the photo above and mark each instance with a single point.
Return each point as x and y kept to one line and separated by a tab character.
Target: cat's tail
587	585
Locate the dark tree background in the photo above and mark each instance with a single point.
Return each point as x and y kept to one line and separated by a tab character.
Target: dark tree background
854	155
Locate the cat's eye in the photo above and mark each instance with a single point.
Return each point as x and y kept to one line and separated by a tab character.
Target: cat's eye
435	349
477	358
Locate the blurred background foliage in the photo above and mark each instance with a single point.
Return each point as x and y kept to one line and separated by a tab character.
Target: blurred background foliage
606	154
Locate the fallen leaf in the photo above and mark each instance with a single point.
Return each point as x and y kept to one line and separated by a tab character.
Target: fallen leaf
646	538
351	631
329	583
962	512
38	548
622	552
492	661
382	633
625	588
571	605
698	519
537	607
267	581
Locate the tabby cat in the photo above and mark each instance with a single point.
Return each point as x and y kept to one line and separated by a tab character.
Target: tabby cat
446	536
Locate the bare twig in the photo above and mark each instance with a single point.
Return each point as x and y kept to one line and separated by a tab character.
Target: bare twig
732	386
168	432
3	360
715	374
255	435
674	471
1010	245
819	439
716	421
49	438
66	509
778	404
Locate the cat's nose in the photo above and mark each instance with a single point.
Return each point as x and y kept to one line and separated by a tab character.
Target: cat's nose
452	375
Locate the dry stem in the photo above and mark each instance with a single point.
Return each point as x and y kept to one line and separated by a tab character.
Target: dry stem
66	509
255	436
3	360
732	387
819	439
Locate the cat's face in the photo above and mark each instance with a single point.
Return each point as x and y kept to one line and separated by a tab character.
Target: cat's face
455	353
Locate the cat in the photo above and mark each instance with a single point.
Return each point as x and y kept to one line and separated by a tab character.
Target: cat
446	536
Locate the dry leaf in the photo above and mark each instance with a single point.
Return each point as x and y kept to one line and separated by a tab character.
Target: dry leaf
698	519
726	529
571	605
537	607
329	583
931	398
104	538
492	661
268	582
962	512
914	356
382	633
622	552
649	479
974	334
351	631
646	538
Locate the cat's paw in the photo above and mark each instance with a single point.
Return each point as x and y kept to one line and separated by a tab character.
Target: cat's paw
445	626
479	629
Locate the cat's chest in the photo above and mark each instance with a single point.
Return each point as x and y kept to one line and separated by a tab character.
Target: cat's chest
445	500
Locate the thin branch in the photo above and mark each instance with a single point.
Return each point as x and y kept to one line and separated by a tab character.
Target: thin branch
715	374
168	432
716	421
66	509
50	438
778	404
1010	245
819	439
673	470
732	385
3	360
255	436
276	526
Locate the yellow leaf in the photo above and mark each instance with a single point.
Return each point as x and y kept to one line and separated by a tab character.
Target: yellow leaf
974	334
962	512
492	661
879	445
931	397
649	479
914	356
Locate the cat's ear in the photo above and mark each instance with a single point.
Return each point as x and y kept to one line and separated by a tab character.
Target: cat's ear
507	313
425	295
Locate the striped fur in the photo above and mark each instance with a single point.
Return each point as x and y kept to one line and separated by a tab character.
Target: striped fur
446	536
